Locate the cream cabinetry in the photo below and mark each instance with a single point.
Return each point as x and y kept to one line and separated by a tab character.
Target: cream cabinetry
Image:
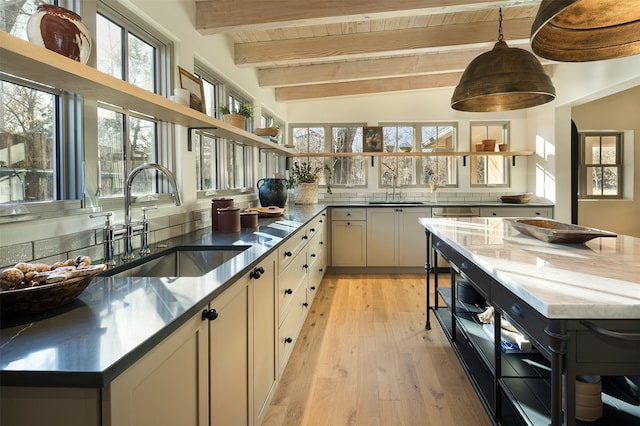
394	236
349	236
317	252
218	368
302	266
530	211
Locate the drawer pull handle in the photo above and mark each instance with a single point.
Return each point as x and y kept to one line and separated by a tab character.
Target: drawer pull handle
257	272
438	243
209	314
610	333
464	265
288	253
288	291
288	340
304	237
515	309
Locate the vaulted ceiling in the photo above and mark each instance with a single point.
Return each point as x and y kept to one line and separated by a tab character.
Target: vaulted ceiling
306	49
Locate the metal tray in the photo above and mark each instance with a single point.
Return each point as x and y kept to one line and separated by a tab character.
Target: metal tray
552	231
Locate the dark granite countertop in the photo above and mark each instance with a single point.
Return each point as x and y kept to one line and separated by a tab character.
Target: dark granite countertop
116	320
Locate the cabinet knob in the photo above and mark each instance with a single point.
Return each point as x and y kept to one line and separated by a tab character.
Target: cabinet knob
348	214
537	213
305	304
305	266
494	214
313	287
287	253
304	237
320	269
348	223
288	291
464	265
312	255
313	230
257	272
288	340
516	310
321	243
210	314
320	221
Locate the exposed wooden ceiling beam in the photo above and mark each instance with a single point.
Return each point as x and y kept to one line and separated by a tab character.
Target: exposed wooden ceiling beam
382	43
380	85
401	66
218	16
316	91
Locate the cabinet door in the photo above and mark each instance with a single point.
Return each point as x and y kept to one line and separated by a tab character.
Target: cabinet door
412	248
228	357
382	237
348	243
168	386
263	335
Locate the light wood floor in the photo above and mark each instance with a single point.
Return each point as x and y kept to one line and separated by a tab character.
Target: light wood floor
364	358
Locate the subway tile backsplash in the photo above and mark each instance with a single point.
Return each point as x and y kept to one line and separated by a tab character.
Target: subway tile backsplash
89	242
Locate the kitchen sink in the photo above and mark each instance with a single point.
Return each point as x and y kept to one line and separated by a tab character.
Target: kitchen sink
178	262
404	203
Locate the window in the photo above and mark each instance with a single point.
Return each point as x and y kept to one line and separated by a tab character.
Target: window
35	166
441	169
347	138
127	139
221	165
489	170
271	163
601	165
419	171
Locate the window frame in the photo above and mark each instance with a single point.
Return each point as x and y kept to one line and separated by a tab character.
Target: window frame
583	165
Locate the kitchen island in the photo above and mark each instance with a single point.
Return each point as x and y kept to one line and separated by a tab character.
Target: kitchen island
579	304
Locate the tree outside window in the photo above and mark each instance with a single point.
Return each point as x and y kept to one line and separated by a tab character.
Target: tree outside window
348	171
441	169
601	165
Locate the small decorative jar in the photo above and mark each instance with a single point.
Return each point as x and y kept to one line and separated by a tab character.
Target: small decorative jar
60	30
217	203
249	219
229	219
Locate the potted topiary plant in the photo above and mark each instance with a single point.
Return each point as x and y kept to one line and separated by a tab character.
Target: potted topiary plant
236	116
303	178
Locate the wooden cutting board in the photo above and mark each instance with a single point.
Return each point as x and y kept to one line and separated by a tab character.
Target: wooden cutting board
271	211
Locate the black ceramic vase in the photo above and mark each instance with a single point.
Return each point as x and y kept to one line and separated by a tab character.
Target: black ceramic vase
272	192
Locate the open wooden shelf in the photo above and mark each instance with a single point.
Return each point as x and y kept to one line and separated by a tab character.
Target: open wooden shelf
27	60
414	154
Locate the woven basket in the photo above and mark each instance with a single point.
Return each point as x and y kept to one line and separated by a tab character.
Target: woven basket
306	193
235	120
266	131
33	300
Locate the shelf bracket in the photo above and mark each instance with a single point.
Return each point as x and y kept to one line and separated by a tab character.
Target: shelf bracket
189	137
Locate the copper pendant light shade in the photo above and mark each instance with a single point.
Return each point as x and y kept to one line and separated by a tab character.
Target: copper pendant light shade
503	79
586	30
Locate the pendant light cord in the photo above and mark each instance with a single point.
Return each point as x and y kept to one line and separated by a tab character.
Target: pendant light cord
500	36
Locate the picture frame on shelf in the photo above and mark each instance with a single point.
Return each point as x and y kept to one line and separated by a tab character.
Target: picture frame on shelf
372	140
195	87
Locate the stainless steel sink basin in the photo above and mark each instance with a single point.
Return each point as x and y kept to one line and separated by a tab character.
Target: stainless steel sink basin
178	262
403	203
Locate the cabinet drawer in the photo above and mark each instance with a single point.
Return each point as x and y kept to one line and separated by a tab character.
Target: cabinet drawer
521	315
349	214
291	280
516	212
608	341
290	327
317	225
290	248
481	280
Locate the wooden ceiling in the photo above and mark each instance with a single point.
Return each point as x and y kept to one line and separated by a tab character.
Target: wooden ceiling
307	49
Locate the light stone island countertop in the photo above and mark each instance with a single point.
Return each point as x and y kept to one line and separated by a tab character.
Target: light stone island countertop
599	279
